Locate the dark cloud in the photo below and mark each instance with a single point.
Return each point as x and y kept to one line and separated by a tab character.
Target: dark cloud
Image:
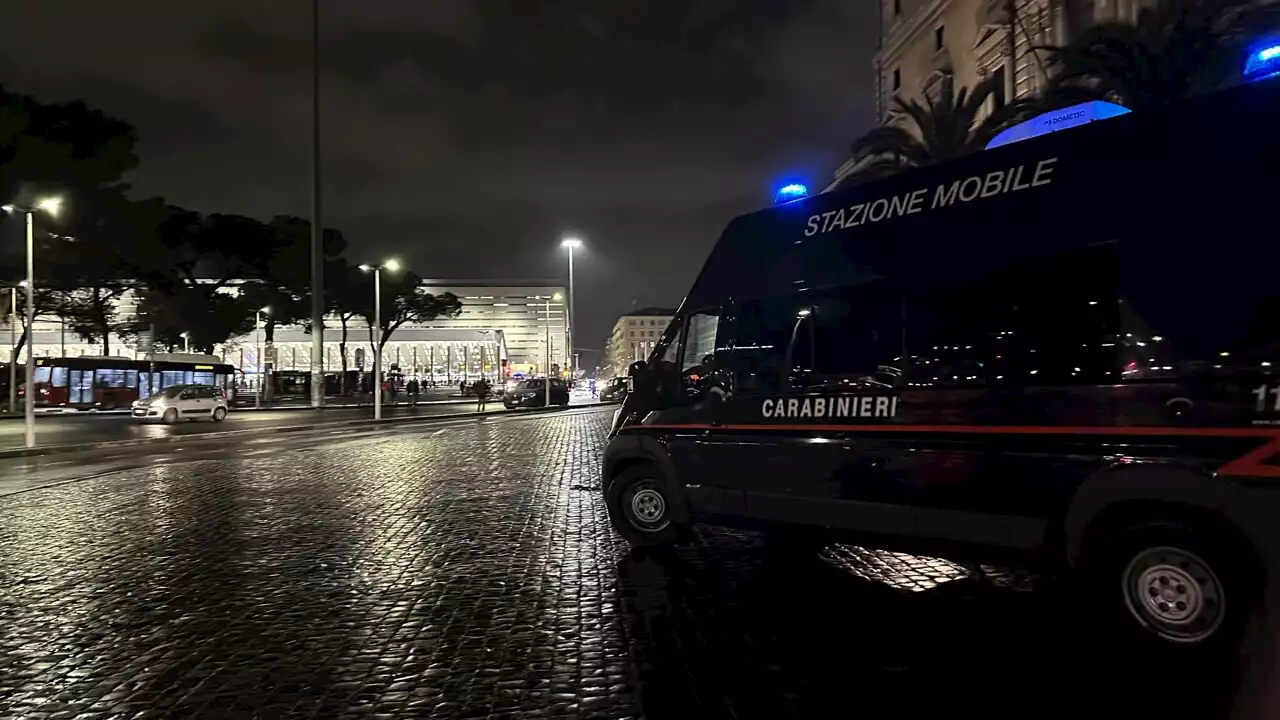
468	136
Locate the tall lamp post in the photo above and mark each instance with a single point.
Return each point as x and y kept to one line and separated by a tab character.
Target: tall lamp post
13	345
570	244
390	266
317	226
186	342
547	381
257	345
49	205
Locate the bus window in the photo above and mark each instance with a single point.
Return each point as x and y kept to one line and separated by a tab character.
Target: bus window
109	378
202	378
59	377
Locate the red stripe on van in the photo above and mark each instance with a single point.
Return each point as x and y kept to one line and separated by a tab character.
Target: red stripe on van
1252	463
1141	430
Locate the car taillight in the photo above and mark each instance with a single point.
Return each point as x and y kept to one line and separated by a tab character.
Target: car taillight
44	392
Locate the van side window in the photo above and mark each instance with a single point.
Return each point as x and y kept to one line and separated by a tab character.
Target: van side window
853	336
845	337
700	339
1049	321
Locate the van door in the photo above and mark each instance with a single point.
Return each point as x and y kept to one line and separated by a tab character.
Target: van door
687	388
808	372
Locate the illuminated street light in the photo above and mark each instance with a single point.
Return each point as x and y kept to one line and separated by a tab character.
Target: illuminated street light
547	324
49	205
257	343
391	265
570	244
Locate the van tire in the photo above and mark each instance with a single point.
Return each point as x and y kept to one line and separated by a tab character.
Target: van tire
219	414
641	507
170	416
1169	588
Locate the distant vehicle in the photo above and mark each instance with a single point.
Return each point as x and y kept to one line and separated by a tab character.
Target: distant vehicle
183	402
614	390
107	383
533	393
1064	352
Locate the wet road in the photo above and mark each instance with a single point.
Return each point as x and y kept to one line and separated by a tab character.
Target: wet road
466	569
84	427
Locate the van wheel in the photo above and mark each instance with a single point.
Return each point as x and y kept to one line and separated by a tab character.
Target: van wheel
219	414
1171	587
641	509
170	416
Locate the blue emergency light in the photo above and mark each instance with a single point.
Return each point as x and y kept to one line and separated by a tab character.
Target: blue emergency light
1061	119
789	192
1263	62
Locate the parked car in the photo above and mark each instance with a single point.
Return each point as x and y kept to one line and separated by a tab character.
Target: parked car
614	390
183	402
533	393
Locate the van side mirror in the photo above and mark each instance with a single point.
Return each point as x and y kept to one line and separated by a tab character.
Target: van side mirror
641	380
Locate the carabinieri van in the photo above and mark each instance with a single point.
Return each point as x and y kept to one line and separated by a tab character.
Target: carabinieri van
1065	349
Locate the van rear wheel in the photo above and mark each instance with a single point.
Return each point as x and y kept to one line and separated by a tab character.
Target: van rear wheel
641	507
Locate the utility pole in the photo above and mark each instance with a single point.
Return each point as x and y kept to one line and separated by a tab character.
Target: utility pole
317	226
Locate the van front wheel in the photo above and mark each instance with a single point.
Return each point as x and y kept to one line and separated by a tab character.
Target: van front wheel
1177	588
641	508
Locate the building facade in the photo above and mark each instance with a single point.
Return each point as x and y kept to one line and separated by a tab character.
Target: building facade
633	338
519	322
925	44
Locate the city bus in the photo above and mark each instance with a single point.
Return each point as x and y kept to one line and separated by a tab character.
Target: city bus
1064	351
108	383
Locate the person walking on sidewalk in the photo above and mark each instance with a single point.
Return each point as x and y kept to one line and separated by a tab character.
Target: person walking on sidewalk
482	393
412	389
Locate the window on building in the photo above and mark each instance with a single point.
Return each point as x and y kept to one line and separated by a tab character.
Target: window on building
938	39
998	98
897	79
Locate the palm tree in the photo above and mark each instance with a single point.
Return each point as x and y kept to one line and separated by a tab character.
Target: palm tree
931	132
1176	49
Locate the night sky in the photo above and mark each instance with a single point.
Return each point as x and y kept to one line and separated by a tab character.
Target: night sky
466	139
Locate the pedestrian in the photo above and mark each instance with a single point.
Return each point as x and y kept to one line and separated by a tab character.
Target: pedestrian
462	388
413	390
482	393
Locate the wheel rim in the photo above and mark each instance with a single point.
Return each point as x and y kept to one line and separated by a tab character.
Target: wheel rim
1175	594
647	509
219	413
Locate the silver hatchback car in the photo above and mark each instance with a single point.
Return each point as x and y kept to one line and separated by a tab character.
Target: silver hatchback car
183	402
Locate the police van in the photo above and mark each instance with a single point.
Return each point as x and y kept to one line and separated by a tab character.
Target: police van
1065	349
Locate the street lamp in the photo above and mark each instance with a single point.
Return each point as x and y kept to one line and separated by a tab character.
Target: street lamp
547	381
391	265
186	342
570	244
257	343
49	205
13	345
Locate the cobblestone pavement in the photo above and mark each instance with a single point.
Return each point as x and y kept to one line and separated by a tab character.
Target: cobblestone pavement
469	572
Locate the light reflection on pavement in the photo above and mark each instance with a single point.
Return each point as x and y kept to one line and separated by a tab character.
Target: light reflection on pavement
466	569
